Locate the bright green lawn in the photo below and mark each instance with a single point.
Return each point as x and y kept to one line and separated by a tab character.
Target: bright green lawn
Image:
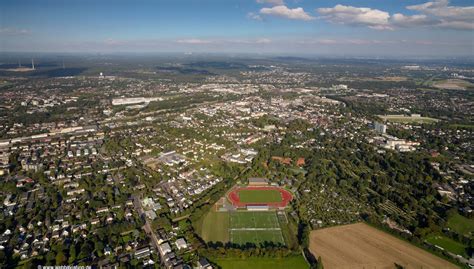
259	196
242	224
297	262
240	227
252	219
256	237
461	224
447	243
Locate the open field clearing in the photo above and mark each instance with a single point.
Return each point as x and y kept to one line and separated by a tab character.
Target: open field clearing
461	224
381	78
297	262
393	78
447	244
362	246
407	119
215	227
453	84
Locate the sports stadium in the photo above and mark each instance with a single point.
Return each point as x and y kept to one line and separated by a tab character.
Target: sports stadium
255	197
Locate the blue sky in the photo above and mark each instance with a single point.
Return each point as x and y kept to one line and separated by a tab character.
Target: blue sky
319	27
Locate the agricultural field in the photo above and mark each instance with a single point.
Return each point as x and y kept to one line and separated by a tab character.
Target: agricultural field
447	243
362	246
461	224
296	262
241	227
260	196
407	119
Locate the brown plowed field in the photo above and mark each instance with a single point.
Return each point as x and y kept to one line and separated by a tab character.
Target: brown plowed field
362	246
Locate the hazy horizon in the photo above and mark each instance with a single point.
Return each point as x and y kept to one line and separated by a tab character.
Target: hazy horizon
411	28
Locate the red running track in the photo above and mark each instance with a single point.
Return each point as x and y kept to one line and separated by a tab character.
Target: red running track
234	198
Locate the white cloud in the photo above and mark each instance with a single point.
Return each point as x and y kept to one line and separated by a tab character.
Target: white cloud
263	41
285	12
114	42
349	15
401	20
442	9
220	42
194	41
13	31
454	17
437	13
368	42
459	25
272	2
344	42
254	16
326	41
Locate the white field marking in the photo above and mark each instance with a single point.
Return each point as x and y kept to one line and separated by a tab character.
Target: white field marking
282	239
255	229
254	221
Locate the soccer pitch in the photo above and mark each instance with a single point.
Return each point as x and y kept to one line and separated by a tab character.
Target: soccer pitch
255	227
260	196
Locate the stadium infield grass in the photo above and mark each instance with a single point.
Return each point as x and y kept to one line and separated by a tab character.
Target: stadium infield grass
260	196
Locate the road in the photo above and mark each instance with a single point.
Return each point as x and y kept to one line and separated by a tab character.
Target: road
147	227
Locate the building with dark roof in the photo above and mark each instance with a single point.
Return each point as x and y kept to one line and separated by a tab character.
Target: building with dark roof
258	181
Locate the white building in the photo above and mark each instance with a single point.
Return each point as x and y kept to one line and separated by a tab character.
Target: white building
164	249
380	127
134	100
181	243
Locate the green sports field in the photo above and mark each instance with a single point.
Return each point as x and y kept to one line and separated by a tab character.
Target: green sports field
260	196
255	227
296	262
241	227
249	219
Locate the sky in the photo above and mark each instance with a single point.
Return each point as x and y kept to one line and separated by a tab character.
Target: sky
289	27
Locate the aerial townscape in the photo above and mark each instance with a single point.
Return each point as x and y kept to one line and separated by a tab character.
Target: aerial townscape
211	153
